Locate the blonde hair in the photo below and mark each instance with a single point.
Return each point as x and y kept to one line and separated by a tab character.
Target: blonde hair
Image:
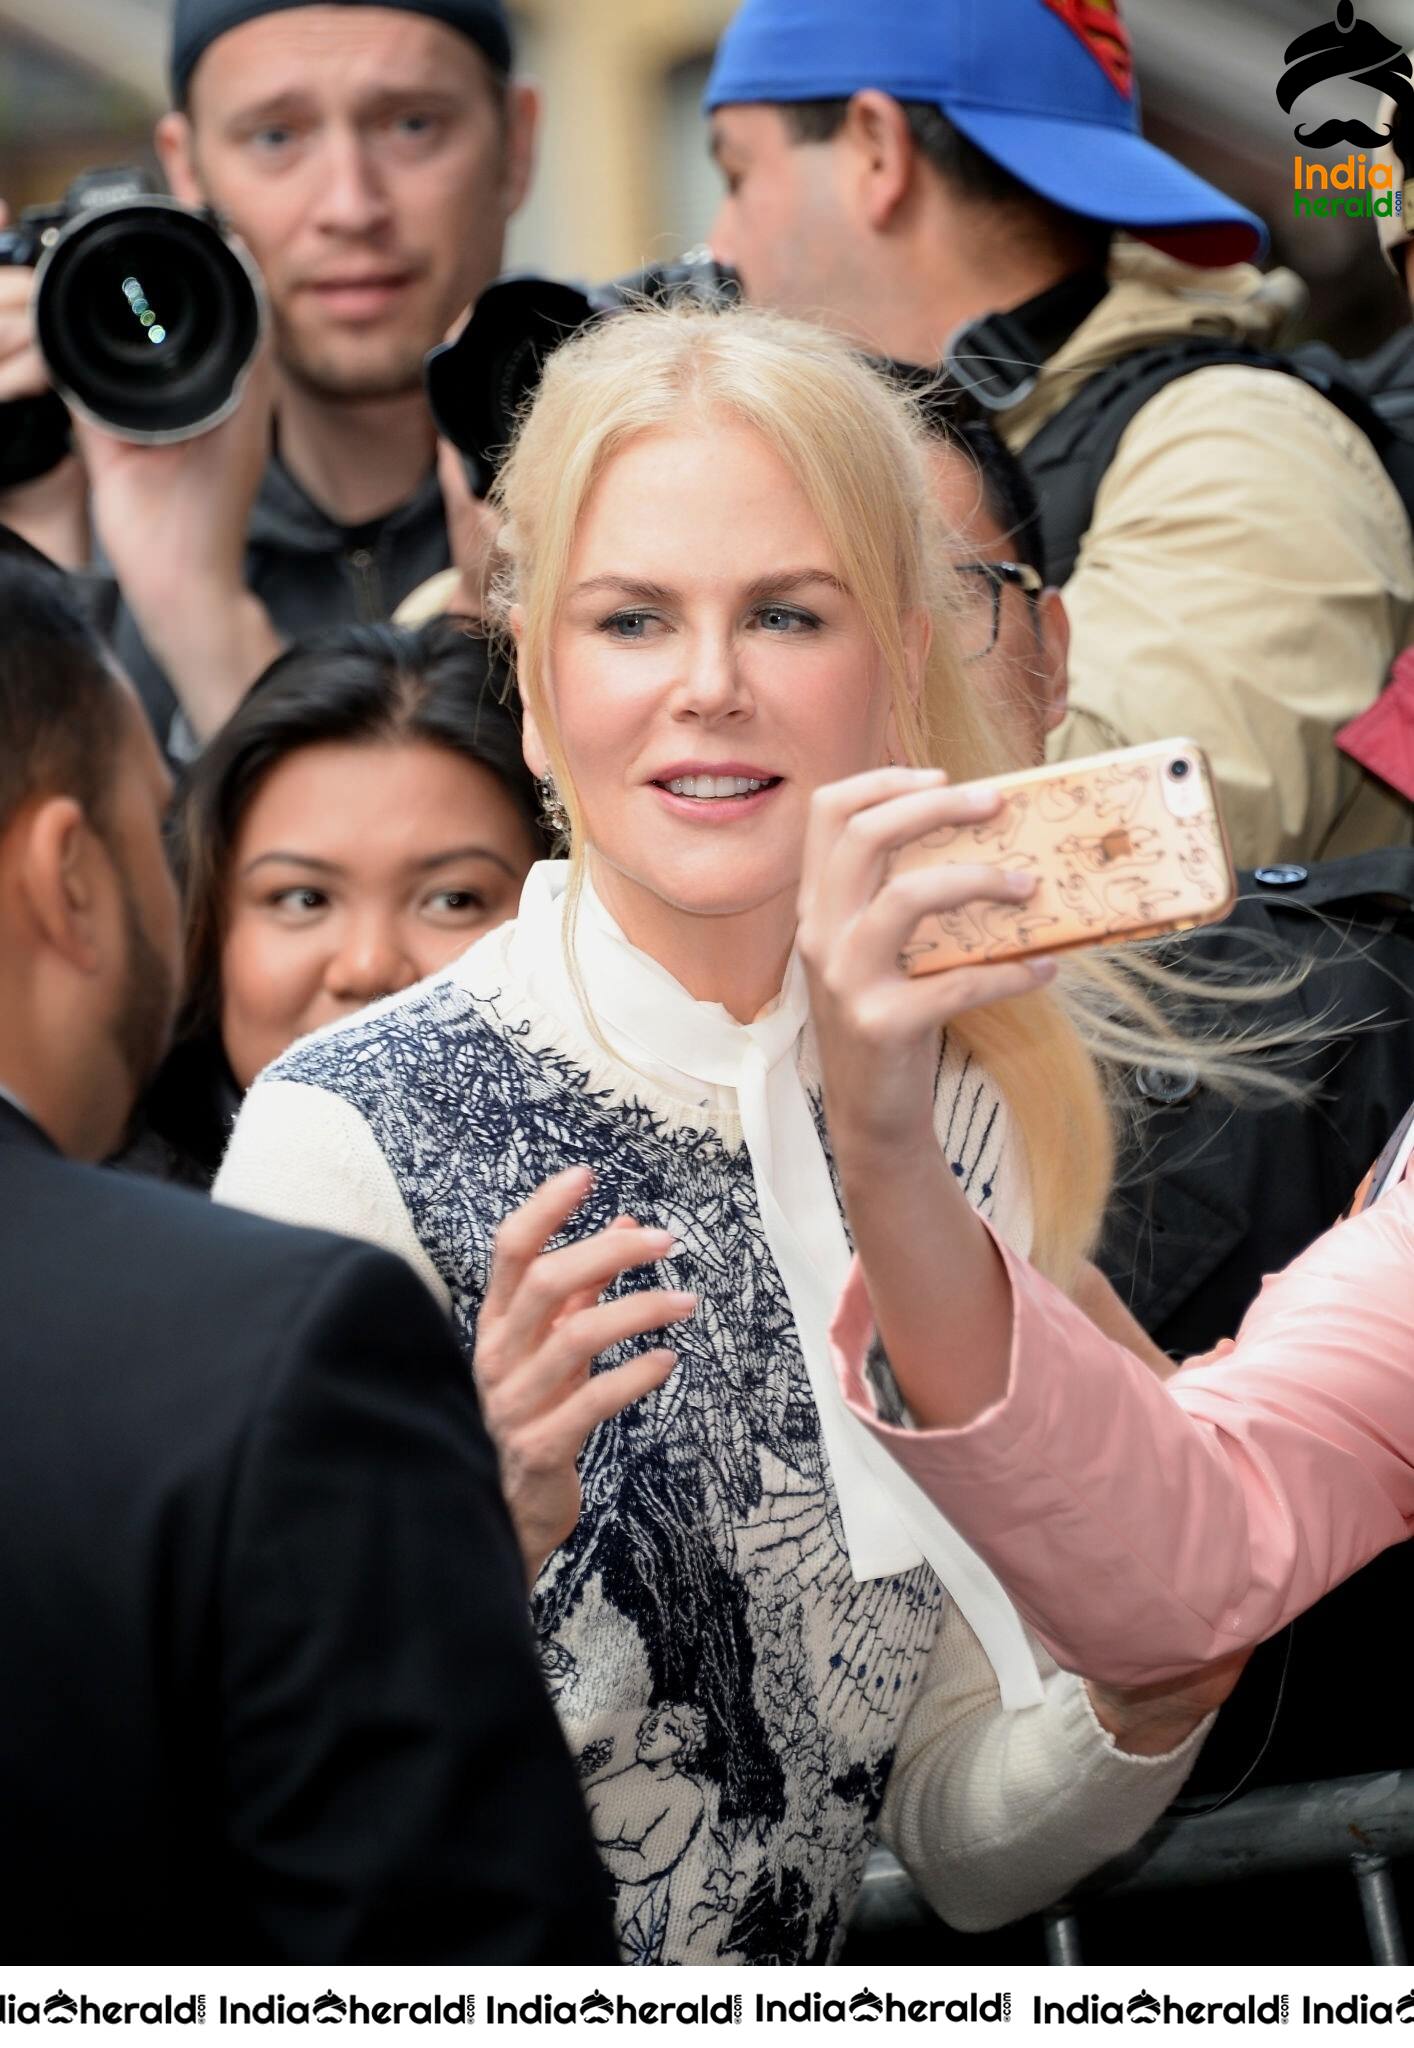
856	447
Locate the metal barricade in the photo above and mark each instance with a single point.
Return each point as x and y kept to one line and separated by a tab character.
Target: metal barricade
1364	1823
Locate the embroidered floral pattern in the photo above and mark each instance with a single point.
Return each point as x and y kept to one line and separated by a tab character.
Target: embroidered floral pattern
732	1695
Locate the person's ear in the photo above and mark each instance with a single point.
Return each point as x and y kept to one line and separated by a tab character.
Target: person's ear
522	120
876	132
532	746
172	139
60	870
1053	665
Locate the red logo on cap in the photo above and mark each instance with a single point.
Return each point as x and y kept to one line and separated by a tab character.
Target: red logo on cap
1104	35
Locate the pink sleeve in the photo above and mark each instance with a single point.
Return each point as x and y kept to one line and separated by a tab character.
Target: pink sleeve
1145	1528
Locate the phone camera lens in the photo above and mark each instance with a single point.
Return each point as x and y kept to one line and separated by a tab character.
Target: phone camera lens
1178	769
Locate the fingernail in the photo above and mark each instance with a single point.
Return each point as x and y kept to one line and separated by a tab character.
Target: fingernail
662	1238
680	1300
1044	968
1018	883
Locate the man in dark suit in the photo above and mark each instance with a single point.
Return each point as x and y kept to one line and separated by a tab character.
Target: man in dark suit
267	1683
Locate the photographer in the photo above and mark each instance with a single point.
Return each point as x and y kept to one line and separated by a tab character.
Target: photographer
369	157
1247	568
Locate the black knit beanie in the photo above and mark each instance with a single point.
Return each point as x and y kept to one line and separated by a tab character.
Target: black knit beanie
196	24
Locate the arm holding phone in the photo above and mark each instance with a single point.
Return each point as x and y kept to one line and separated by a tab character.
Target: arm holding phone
932	1264
1146	1530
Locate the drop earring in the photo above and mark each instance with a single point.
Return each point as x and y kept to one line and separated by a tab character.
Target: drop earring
552	810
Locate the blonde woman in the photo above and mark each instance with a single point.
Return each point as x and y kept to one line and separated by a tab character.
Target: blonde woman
726	588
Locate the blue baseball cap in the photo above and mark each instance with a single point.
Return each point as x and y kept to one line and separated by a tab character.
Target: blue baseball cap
1044	87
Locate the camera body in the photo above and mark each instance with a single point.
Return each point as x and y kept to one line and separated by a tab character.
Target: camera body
39	227
148	318
479	384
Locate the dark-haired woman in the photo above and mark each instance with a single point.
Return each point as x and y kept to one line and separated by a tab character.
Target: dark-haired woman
362	817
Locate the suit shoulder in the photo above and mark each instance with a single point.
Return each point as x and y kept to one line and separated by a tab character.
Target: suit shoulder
176	1243
164	1319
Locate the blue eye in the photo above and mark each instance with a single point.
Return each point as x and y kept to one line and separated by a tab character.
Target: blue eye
627	625
785	618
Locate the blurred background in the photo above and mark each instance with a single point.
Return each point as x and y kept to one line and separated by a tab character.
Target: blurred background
624	175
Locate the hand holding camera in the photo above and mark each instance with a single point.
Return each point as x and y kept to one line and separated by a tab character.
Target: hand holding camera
144	316
172	521
132	328
22	373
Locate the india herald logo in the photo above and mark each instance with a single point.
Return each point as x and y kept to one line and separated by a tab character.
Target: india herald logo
1349	48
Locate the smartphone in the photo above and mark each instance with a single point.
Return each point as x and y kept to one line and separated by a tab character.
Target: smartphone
1128	845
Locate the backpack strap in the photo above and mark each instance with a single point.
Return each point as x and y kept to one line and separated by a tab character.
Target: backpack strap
1066	459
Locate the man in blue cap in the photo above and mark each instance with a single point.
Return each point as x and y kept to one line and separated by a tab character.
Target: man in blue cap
370	154
947	178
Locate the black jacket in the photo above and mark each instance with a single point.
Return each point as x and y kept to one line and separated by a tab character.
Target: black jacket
1212	1195
267	1683
310	573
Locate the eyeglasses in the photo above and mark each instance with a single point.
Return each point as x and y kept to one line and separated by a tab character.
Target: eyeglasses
994	578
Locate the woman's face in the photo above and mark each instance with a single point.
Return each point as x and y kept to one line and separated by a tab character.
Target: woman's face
358	869
709	669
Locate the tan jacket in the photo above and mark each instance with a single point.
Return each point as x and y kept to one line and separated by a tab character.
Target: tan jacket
1249	571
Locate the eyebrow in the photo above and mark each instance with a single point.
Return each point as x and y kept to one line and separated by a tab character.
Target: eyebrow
421	867
292	101
770	585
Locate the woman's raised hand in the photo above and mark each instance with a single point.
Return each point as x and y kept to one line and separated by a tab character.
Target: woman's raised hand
541	1327
878	1029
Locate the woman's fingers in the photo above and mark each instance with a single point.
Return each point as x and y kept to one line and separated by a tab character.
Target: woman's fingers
853	860
587	1296
582	1337
907	1008
556	1278
530	1287
530	1383
524	1234
560	1438
835	803
880	932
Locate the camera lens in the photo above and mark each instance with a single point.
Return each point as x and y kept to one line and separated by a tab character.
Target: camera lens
1179	768
147	318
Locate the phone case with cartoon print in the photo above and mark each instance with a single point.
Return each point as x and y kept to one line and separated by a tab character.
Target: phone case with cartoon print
1128	845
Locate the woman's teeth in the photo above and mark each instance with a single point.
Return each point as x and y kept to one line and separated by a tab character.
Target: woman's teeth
713	785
